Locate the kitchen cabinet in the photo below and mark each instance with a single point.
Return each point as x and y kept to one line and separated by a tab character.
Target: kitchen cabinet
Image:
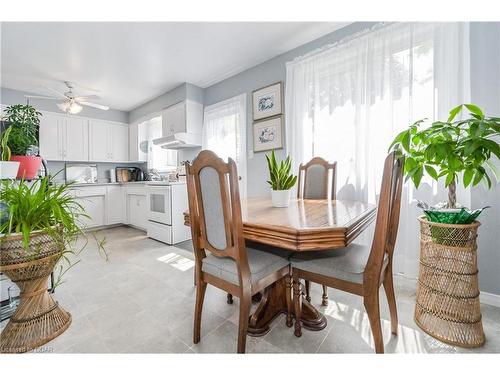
183	117
63	137
138	142
108	141
93	201
137	210
116	209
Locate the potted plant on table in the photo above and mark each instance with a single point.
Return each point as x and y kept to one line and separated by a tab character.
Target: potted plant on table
8	168
280	179
24	121
40	223
447	305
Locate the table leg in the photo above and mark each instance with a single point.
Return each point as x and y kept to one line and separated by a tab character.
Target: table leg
273	303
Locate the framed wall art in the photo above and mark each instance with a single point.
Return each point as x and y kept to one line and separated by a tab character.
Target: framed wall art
268	134
267	101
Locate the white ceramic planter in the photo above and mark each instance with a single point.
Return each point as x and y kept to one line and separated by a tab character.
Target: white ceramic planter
8	169
280	198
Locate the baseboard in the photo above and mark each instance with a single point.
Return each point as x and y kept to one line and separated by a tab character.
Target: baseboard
490	299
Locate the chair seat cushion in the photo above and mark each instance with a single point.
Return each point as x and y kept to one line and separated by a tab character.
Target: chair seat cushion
261	263
347	263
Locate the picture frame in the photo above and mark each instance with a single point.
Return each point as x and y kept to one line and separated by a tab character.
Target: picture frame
268	134
267	101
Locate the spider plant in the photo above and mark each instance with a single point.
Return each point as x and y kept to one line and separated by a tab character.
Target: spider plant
6	153
47	207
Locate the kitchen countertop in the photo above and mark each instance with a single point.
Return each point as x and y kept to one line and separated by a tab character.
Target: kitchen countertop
127	183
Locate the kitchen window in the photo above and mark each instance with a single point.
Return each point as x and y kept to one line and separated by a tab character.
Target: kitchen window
224	132
159	158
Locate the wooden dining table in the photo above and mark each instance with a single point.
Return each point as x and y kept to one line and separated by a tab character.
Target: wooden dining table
305	225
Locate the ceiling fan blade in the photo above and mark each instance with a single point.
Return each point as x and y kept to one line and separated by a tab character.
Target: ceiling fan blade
99	106
60	94
41	97
86	97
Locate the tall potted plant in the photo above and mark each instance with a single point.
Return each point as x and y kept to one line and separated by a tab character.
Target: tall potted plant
40	223
8	168
23	139
280	179
448	149
448	305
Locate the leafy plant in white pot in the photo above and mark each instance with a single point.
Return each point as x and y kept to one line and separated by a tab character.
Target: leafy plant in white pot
8	168
280	179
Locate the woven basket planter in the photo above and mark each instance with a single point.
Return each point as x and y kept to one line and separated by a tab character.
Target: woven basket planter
38	318
447	306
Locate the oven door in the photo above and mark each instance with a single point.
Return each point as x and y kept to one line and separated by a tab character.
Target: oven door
159	200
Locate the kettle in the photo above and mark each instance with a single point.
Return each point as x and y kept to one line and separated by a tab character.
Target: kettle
139	175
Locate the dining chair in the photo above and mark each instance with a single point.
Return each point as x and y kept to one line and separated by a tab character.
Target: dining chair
360	269
317	180
221	257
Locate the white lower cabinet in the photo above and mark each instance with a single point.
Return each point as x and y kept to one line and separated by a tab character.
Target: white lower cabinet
93	201
137	210
115	205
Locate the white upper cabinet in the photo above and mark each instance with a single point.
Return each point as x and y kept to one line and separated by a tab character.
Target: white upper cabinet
99	142
119	142
76	139
108	141
138	139
51	147
183	117
63	137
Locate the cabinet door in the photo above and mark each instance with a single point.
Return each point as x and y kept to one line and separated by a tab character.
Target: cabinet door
174	119
115	205
137	210
94	208
51	136
138	141
119	142
133	140
76	139
98	141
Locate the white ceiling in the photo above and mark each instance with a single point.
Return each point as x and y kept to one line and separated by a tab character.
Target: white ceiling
131	63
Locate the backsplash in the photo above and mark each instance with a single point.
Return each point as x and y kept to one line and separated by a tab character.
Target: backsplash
102	168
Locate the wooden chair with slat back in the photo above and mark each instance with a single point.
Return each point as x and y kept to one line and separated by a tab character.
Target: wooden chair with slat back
317	180
360	269
221	258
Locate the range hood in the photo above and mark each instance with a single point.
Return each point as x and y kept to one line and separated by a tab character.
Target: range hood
179	141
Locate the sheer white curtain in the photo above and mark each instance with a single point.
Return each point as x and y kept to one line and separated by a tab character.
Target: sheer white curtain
224	132
346	102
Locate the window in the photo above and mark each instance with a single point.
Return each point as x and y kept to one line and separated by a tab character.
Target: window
346	102
159	158
224	132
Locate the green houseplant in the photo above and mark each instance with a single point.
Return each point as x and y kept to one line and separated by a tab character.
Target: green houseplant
39	228
8	168
23	139
280	179
448	306
452	149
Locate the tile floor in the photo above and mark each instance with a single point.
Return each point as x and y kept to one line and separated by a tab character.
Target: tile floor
142	300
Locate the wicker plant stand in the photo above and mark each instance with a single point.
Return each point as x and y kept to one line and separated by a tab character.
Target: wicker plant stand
447	306
38	318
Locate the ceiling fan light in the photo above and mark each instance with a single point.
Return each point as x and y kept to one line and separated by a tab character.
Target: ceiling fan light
74	108
63	106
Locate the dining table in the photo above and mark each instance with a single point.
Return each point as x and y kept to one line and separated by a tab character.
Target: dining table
305	225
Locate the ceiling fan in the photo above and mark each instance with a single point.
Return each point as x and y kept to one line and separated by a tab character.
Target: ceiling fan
71	103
